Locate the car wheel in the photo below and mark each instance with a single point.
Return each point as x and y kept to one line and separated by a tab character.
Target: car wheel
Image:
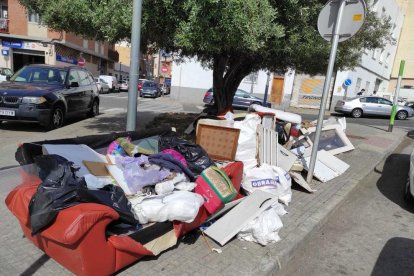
94	109
56	118
356	113
402	115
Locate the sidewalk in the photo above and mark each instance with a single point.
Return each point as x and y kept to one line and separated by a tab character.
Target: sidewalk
191	256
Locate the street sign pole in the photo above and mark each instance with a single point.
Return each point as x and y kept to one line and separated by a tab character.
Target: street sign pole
134	72
266	90
327	85
397	93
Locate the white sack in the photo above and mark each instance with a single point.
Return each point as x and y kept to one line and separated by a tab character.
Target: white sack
265	228
246	148
270	179
179	205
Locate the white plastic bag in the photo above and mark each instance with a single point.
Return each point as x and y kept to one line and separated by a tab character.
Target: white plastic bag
246	148
179	205
271	179
265	228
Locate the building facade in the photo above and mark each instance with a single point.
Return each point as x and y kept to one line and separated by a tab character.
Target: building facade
405	51
24	40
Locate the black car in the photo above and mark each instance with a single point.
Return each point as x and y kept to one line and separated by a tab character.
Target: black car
150	89
48	95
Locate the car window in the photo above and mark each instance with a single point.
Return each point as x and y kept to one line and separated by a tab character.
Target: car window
149	84
8	72
90	77
372	100
73	76
240	93
384	101
363	100
40	75
84	79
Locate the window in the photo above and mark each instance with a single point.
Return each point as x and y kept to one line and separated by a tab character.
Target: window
102	49
85	43
384	101
381	59
33	17
39	75
241	93
367	84
73	76
374	53
96	46
387	59
358	84
91	79
84	78
372	100
363	100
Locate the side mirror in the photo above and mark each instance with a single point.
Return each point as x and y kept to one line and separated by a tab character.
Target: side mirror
74	84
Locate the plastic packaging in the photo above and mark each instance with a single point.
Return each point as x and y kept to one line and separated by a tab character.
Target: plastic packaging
95	183
246	149
271	179
180	206
265	228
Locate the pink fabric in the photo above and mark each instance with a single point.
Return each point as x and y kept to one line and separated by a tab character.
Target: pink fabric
176	155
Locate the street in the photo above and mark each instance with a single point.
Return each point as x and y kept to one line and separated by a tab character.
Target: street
371	233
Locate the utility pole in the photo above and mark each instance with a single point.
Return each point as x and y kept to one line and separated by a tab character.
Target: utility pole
134	72
266	89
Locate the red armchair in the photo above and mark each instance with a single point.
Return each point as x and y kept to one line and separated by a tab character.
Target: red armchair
77	238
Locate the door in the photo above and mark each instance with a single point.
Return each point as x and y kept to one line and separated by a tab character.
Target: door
276	95
73	93
86	89
384	107
369	105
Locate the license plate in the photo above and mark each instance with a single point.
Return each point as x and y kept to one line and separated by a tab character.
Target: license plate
7	112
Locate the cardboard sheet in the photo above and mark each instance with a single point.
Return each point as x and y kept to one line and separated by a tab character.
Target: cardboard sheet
231	223
96	168
286	159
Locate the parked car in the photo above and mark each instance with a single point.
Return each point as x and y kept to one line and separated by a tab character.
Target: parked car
123	86
409	189
241	99
5	74
150	89
48	95
359	107
111	81
140	82
103	87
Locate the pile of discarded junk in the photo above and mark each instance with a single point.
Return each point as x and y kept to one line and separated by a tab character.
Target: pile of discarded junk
122	196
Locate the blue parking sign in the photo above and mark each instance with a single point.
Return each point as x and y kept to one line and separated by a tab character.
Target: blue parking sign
347	82
5	52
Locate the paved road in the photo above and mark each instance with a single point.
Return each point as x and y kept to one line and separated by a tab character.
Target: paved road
371	233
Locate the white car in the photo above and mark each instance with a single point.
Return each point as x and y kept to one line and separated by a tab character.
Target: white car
5	74
409	189
111	81
103	87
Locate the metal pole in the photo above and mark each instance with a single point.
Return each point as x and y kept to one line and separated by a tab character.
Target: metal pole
397	93
134	72
266	89
327	85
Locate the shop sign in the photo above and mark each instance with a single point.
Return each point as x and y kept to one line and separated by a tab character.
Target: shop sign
5	52
66	59
12	44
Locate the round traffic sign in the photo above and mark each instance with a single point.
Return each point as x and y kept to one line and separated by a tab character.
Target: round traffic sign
164	69
352	19
81	62
347	82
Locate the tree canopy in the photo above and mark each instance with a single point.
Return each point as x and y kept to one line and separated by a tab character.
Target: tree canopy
233	37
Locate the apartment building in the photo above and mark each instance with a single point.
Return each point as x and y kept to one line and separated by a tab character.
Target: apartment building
24	40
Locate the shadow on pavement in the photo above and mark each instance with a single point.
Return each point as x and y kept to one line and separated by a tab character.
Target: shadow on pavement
36	265
396	258
410	134
393	179
117	122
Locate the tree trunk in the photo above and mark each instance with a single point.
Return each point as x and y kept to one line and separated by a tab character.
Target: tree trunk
228	72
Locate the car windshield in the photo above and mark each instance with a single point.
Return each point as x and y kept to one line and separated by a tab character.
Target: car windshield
40	75
148	84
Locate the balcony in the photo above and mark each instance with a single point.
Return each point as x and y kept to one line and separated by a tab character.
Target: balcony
4	25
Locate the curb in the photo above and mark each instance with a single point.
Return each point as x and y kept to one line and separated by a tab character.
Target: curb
323	215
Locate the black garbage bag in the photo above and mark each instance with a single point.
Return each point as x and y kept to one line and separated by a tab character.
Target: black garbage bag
61	189
196	157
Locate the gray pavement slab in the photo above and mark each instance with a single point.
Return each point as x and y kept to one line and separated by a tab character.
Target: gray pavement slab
307	213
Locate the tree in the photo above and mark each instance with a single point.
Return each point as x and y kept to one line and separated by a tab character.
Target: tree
232	37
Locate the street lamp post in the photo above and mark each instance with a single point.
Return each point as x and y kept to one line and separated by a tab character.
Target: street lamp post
120	71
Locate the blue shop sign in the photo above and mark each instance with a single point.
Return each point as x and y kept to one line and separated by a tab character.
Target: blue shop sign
12	44
66	59
5	52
